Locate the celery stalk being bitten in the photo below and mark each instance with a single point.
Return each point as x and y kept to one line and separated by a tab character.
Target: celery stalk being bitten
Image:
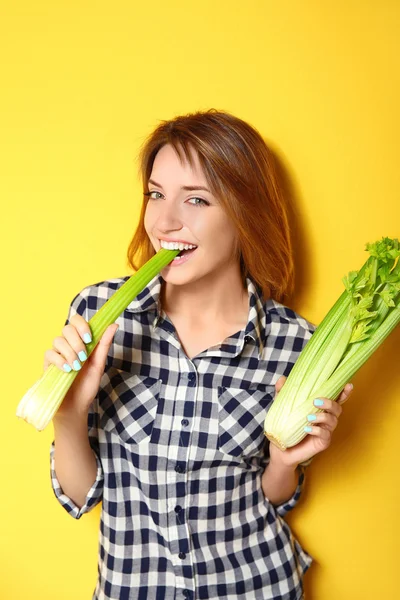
42	400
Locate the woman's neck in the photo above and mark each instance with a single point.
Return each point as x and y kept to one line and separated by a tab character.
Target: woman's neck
210	300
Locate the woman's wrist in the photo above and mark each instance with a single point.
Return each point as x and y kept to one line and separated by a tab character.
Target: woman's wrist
281	470
279	481
70	419
281	465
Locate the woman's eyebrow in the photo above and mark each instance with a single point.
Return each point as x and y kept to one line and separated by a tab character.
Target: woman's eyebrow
189	188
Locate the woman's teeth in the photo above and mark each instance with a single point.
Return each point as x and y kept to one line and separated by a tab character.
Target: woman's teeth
176	246
184	253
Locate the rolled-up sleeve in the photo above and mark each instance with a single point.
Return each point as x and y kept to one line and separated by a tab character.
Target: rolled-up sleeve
93	497
288	505
79	305
301	340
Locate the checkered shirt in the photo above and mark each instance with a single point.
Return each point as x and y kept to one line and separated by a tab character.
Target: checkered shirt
180	452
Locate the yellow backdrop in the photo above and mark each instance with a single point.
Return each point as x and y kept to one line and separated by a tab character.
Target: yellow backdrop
82	84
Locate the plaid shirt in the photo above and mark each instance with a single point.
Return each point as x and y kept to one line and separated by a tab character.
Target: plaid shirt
180	452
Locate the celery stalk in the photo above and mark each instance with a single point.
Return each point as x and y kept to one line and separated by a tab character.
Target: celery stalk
360	320
40	403
299	376
334	385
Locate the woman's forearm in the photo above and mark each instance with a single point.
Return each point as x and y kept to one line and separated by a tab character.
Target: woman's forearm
279	482
75	462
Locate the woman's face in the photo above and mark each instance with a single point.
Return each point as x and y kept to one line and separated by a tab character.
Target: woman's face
194	216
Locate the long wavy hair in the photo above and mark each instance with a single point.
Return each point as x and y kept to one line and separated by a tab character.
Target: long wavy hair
239	168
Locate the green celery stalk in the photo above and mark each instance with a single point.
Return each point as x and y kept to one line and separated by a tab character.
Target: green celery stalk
40	403
360	320
311	356
334	385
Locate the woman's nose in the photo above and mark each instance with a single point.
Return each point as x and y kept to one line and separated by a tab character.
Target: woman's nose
168	217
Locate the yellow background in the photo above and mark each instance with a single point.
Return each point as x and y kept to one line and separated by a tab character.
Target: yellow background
82	84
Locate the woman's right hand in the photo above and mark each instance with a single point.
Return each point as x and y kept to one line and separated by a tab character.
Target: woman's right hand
65	350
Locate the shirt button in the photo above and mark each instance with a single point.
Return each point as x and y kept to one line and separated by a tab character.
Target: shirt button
179	469
182	555
247	338
178	509
187	593
184	422
192	379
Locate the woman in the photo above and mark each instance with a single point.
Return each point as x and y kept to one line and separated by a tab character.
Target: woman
165	422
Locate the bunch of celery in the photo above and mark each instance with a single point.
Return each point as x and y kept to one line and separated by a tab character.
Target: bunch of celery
42	400
363	316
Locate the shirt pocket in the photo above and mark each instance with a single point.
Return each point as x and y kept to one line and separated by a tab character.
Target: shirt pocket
241	416
131	406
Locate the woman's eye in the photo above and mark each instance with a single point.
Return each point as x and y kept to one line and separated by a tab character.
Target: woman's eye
201	203
149	194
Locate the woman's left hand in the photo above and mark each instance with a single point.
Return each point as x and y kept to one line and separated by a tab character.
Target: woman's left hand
320	436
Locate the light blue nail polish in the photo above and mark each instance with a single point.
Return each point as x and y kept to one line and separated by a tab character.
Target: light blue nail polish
311	417
87	338
76	365
67	368
318	402
308	429
82	355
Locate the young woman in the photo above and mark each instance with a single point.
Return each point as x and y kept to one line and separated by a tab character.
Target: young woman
164	423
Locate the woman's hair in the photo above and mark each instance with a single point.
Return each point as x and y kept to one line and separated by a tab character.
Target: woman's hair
239	168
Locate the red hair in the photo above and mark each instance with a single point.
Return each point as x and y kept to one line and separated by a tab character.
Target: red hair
240	170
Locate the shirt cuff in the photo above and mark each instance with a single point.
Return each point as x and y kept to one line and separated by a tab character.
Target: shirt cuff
285	507
93	497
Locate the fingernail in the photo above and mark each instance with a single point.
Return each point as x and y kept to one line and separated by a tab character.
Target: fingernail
318	402
308	429
82	355
87	338
351	386
66	368
76	365
311	417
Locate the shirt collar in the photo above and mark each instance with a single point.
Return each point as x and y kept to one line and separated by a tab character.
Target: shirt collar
149	299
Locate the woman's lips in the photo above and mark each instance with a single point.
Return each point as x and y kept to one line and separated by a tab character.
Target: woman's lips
183	257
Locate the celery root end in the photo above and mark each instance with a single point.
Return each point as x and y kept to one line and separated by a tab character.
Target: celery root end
275	440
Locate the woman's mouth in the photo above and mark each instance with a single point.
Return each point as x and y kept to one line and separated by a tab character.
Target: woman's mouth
182	257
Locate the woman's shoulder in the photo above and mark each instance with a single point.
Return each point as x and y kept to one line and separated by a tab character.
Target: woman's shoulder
93	296
286	334
102	289
282	316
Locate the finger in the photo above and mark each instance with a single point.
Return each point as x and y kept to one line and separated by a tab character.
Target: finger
324	419
99	355
348	388
320	432
329	406
61	345
82	327
108	335
51	357
279	383
74	339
